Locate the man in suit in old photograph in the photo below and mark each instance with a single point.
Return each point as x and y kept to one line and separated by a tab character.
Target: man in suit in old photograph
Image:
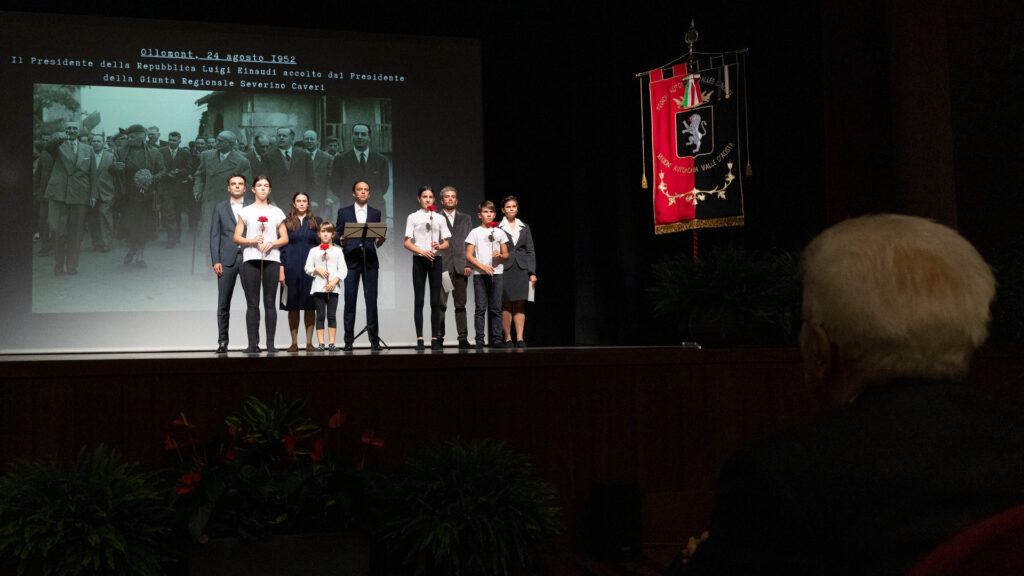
215	166
289	168
67	193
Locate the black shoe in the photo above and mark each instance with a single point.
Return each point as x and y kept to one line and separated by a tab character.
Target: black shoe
464	345
479	345
419	344
321	348
375	346
436	344
271	349
252	350
128	258
348	347
140	263
222	348
330	347
498	345
520	343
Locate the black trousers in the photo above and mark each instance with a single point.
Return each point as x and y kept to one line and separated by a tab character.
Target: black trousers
487	300
422	271
252	283
326	308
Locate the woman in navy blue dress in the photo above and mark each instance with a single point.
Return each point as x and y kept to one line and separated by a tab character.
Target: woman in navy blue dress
302	236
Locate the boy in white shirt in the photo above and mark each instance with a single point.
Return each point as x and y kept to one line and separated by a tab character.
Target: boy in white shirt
486	250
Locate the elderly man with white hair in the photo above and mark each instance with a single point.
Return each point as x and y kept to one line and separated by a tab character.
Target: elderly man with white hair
894	308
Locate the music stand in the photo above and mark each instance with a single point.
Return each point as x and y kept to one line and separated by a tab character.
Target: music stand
366	231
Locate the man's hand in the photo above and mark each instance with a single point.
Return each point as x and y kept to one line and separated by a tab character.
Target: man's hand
218	269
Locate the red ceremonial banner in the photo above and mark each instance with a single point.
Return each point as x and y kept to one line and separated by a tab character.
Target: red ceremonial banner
673	176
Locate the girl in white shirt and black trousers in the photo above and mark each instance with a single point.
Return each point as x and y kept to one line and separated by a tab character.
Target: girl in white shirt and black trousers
326	264
425	233
261	231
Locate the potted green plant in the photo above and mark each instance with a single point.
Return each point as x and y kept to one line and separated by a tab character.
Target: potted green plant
280	496
730	296
469	509
92	516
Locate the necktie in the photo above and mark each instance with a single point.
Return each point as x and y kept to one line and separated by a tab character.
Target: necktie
287	157
362	158
449	223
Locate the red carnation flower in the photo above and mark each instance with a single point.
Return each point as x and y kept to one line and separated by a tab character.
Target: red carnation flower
325	246
262	219
432	208
493	224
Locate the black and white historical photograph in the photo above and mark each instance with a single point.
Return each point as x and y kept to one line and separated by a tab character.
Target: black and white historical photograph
125	181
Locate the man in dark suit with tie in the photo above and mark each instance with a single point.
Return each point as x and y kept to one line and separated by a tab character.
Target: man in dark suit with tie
258	156
175	190
289	168
321	164
454	263
225	254
361	258
67	194
360	163
216	165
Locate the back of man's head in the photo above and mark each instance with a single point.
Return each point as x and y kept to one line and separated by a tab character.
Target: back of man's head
899	296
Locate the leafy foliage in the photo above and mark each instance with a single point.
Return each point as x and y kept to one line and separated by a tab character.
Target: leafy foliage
470	508
278	474
92	517
763	287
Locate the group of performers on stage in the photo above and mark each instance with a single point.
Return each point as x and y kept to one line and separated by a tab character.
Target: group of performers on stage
258	242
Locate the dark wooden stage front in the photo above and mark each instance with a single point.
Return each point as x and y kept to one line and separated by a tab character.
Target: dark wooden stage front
660	419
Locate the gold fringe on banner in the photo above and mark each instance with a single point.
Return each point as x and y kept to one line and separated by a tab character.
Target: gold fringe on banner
697	224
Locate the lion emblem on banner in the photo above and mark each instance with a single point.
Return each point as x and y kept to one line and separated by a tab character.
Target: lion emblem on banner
694	128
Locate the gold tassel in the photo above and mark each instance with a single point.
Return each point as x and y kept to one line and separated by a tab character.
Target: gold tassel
750	170
643	181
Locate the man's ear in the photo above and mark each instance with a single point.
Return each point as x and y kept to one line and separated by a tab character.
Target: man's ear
819	354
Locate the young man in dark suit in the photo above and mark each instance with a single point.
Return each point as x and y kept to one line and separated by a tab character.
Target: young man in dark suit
362	261
454	264
225	254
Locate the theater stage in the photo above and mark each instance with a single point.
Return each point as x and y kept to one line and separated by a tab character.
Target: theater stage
659	421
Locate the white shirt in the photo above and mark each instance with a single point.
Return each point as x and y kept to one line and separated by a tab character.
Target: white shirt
360	213
334	264
251	215
483	246
425	228
236	207
512	231
450	216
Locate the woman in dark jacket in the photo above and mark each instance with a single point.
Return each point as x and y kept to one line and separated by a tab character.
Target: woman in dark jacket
520	278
